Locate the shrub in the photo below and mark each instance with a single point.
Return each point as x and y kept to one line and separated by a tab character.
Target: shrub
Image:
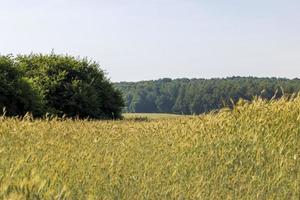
72	86
17	96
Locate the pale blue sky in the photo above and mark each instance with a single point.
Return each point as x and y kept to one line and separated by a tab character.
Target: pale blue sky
150	39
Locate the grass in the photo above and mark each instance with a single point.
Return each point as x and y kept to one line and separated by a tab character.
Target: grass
150	115
251	152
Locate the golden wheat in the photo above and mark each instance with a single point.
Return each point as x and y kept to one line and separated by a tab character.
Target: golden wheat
250	152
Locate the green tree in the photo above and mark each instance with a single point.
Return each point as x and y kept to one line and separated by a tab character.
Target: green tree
195	96
17	95
72	86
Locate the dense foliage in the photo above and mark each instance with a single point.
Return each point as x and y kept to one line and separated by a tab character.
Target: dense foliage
194	96
250	152
63	85
17	96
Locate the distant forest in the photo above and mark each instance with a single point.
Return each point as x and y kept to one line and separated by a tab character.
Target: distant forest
195	96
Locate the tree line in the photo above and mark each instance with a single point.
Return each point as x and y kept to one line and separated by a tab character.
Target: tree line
196	96
59	85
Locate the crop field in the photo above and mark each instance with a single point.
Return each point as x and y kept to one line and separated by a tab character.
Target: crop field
250	152
150	116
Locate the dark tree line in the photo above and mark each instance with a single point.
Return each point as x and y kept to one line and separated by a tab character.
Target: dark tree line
58	85
195	96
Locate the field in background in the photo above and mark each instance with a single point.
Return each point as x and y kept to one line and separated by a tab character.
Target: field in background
251	152
150	115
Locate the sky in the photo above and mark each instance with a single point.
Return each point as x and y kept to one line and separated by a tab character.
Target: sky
136	40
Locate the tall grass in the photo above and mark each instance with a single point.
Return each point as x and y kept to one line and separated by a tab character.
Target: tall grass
250	152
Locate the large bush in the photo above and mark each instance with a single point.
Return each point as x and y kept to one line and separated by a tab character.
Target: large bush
72	86
17	96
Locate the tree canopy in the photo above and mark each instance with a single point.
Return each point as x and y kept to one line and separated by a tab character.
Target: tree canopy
16	94
62	84
195	96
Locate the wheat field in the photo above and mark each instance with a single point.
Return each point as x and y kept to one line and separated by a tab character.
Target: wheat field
250	152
